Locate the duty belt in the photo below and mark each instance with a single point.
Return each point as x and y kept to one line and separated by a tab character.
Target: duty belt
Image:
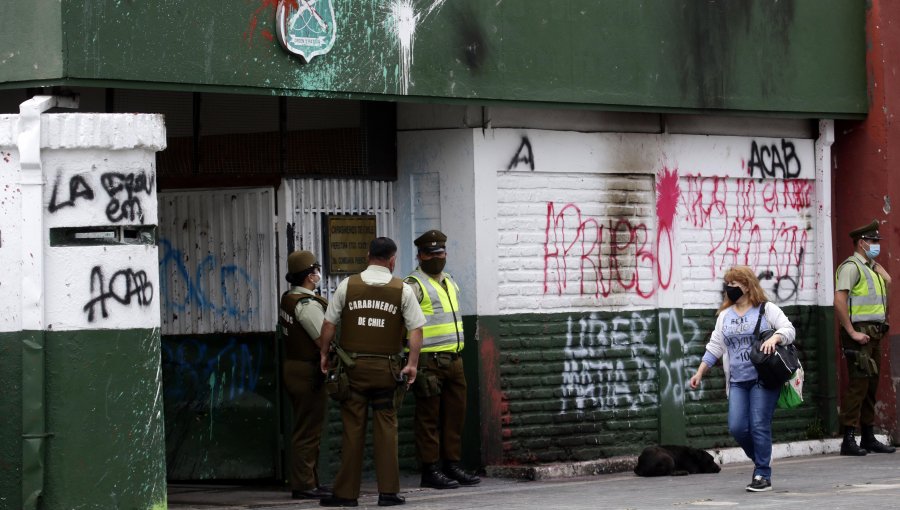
355	355
452	356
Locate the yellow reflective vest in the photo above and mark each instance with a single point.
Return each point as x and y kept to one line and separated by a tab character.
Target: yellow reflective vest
867	297
443	331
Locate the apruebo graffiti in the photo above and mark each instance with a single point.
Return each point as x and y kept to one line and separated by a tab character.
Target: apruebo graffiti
187	289
605	256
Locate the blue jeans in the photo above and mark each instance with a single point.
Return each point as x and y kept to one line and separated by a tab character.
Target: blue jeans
750	410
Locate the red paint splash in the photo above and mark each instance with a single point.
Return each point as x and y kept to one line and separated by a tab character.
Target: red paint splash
668	193
262	12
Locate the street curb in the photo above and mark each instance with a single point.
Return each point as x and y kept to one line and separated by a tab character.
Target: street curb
627	463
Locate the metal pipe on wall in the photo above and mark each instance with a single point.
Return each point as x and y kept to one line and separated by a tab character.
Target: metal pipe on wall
31	183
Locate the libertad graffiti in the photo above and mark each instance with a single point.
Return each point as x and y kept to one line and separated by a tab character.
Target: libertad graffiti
611	364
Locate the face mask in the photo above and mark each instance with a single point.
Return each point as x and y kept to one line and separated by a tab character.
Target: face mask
734	293
433	266
873	251
315	278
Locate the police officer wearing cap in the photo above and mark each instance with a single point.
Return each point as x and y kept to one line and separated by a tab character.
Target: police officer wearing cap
440	388
860	305
300	319
372	308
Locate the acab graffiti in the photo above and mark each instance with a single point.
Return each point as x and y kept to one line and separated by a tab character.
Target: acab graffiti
124	286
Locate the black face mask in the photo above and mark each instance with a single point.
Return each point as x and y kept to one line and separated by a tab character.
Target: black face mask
734	293
433	266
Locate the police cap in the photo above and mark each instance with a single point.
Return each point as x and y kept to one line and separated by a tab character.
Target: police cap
433	241
869	231
300	261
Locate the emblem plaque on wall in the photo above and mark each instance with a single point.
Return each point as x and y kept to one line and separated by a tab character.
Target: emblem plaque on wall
306	27
347	239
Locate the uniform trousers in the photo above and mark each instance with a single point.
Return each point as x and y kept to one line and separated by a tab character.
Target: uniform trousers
303	381
372	383
858	404
440	418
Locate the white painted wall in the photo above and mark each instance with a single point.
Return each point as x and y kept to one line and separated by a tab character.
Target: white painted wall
757	216
447	158
548	208
99	170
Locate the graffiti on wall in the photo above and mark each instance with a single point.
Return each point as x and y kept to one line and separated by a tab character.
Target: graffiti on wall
603	256
202	375
125	193
610	364
773	161
737	233
764	224
184	286
523	156
126	286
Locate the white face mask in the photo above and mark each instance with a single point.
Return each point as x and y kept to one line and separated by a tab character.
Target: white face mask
315	278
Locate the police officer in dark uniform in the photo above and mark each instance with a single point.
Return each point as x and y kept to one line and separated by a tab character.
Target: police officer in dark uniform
860	305
372	308
440	388
300	319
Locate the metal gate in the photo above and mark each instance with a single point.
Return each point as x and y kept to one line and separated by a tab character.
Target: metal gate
309	200
218	299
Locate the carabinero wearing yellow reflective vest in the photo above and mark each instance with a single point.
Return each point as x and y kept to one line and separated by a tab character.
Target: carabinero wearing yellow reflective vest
860	306
440	389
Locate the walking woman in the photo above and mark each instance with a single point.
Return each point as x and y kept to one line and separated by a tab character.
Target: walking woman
750	404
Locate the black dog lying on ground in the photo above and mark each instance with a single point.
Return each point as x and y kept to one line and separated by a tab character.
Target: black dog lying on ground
674	460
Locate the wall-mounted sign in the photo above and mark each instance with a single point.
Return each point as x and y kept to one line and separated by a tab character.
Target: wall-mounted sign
347	243
306	27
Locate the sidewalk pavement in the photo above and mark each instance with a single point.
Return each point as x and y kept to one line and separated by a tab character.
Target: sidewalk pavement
806	474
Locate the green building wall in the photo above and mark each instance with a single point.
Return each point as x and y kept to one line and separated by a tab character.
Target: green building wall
103	413
661	55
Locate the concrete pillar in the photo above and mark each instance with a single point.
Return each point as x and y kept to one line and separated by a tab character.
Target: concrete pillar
79	313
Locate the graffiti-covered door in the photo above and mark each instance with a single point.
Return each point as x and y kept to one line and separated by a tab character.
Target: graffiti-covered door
218	304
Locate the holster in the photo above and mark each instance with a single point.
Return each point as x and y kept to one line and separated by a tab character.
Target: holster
337	382
427	384
860	362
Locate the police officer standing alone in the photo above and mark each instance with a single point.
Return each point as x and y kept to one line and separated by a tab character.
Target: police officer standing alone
860	305
300	318
440	388
372	308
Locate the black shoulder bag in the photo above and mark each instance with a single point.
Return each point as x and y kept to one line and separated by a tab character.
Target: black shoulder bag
777	368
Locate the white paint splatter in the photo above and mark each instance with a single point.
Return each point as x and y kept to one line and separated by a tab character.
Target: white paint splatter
402	21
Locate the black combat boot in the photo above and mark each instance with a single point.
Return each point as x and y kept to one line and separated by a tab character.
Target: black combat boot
433	477
455	471
871	444
849	447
